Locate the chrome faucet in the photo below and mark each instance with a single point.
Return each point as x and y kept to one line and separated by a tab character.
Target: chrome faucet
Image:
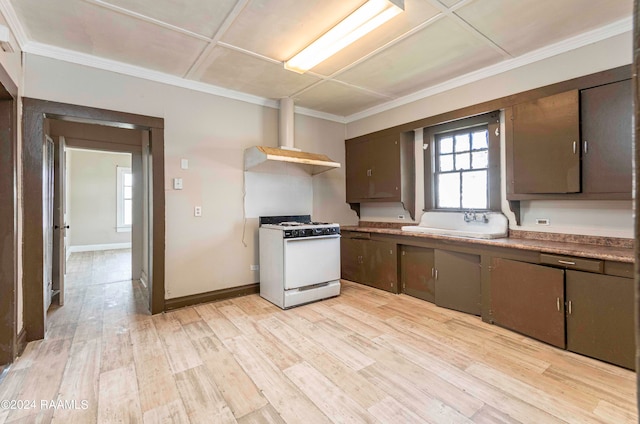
472	216
469	215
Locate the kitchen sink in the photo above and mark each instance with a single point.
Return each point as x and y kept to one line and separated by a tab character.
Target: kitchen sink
484	225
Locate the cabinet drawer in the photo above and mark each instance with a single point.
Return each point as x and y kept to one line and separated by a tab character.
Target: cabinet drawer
570	262
356	235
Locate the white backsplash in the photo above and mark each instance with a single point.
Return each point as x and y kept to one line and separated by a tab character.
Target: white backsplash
285	190
613	218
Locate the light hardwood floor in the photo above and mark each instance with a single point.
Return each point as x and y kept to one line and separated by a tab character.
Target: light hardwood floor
365	356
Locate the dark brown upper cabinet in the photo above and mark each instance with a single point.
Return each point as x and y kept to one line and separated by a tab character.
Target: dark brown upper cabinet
546	136
606	120
575	144
380	168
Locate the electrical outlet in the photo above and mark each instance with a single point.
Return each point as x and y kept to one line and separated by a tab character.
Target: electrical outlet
254	267
542	221
197	211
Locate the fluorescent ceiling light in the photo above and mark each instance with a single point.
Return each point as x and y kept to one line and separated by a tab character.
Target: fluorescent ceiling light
365	19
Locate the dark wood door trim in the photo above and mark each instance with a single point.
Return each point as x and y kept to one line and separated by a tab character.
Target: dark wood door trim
8	232
34	114
636	177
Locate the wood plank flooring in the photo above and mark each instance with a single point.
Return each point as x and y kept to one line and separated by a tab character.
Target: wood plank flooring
366	356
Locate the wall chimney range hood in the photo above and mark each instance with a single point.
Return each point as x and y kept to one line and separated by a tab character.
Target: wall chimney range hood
313	163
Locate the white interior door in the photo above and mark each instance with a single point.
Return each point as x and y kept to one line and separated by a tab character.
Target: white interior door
47	219
60	218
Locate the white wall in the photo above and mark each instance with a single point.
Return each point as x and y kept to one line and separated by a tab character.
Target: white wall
611	218
206	253
92	193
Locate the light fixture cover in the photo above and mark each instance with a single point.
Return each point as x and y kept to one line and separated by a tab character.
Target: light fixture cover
365	19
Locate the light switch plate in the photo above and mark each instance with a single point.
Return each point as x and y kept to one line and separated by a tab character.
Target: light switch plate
177	183
184	163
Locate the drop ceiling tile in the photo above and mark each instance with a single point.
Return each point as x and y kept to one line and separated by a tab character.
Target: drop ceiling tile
416	12
279	29
441	51
525	25
238	71
94	30
203	17
337	98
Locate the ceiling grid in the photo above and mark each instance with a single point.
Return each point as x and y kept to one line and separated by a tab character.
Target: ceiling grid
240	45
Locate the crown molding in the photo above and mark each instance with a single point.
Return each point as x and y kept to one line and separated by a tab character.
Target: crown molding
616	28
19	32
84	59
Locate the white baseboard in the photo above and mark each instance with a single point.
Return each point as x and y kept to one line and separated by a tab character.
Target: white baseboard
96	247
143	278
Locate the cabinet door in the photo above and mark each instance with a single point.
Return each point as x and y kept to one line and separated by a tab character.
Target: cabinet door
381	265
417	272
600	320
351	259
457	277
384	172
529	299
546	138
606	116
357	171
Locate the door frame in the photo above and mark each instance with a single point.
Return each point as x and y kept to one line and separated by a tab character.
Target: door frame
9	341
35	112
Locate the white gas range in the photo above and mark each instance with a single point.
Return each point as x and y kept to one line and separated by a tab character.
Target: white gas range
299	260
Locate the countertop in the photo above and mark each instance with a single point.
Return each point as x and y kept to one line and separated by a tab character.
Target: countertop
609	253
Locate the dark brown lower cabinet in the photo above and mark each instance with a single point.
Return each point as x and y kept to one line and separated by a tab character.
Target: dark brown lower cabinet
529	299
417	269
600	317
457	281
351	252
370	262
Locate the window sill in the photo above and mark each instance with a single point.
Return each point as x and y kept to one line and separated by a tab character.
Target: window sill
123	229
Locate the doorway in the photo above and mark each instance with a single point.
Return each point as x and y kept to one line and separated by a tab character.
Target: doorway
98	208
89	128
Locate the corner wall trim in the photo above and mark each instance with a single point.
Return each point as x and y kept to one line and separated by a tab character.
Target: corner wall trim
194	299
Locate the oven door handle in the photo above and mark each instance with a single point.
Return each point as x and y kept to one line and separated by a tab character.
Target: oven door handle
329	236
